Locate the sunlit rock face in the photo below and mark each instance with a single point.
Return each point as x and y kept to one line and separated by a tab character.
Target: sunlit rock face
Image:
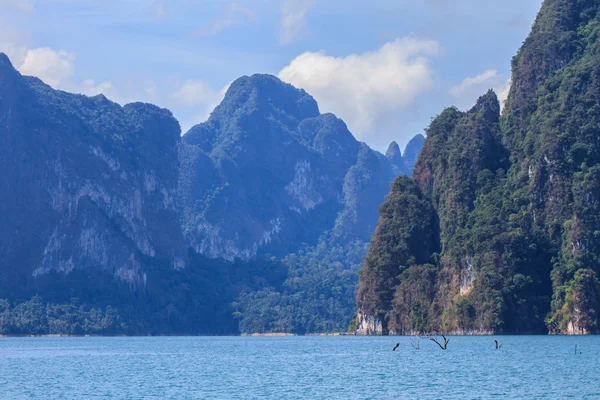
369	325
85	182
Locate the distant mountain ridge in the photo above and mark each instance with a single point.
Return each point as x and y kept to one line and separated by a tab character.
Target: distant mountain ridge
284	172
110	206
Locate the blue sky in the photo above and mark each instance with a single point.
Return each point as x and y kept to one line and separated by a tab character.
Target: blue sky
384	66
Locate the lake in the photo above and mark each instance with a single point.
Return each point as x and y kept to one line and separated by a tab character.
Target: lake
347	367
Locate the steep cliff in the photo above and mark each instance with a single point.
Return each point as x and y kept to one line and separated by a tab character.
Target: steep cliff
86	183
551	128
405	239
516	197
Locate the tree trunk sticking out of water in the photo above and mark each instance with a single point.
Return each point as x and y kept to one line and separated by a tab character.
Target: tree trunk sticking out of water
444	346
416	344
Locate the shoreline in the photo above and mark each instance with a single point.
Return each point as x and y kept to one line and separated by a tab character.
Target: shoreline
276	335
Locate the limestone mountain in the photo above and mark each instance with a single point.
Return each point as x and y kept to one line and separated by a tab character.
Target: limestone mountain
114	223
267	172
85	182
515	245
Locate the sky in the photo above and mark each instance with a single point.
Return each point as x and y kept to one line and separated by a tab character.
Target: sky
386	67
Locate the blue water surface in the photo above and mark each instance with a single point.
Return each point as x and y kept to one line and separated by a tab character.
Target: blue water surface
526	367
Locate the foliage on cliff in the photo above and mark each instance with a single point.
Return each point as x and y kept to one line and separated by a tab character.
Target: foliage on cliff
518	196
406	236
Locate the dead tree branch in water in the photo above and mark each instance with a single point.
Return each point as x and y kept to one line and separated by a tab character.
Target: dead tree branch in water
444	346
416	343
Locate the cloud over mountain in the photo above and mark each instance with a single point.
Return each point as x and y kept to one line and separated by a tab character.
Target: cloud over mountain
367	90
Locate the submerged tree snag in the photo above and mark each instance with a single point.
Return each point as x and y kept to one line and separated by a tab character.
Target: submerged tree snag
444	346
416	344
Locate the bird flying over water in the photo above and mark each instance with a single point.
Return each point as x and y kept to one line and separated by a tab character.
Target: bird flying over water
396	346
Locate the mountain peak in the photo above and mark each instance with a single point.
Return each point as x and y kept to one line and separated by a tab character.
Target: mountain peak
5	64
394	155
488	105
411	152
251	102
267	93
393	150
4	59
9	76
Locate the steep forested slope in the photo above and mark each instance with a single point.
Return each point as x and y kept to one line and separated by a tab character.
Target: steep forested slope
516	199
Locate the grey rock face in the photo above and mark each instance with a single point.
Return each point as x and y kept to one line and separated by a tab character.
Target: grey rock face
86	183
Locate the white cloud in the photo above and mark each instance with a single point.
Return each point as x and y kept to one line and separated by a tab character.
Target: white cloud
503	92
20	5
293	19
51	66
470	82
467	92
201	97
90	88
235	15
11	42
194	92
367	90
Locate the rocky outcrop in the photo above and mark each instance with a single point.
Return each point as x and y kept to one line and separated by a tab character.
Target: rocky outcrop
368	325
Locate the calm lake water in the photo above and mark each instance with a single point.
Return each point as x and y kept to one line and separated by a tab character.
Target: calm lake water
526	367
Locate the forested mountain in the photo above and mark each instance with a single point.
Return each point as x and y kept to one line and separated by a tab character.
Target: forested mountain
267	172
114	223
498	230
